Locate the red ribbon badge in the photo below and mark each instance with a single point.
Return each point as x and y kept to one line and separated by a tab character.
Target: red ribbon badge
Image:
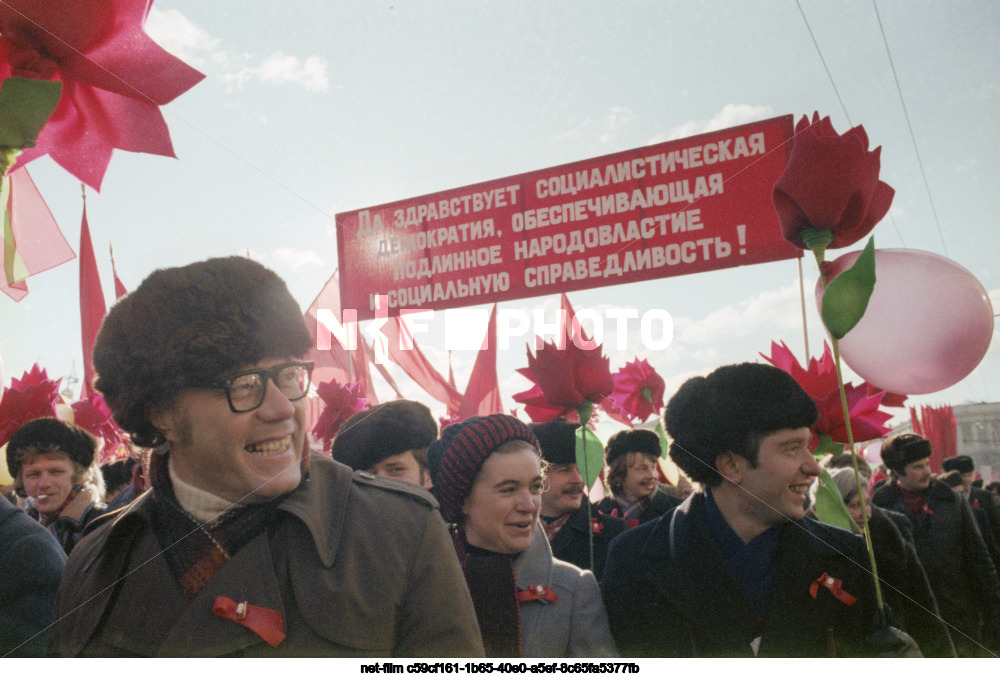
975	503
835	586
267	623
537	592
597	527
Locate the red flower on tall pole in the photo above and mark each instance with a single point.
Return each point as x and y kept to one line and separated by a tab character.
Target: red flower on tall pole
114	79
638	393
32	396
564	379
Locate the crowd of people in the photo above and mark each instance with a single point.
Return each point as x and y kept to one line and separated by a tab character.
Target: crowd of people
232	538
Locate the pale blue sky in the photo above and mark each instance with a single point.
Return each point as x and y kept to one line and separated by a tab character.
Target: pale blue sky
313	108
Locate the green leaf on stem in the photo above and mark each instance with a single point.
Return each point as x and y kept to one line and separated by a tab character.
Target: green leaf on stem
830	508
589	455
25	106
827	446
846	296
662	434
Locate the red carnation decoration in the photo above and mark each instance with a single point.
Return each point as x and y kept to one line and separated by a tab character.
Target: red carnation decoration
820	382
563	380
114	79
341	402
94	416
638	393
35	395
830	183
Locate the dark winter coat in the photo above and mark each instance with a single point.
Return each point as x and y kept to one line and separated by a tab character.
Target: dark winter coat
660	501
680	600
356	565
572	542
31	565
905	587
957	563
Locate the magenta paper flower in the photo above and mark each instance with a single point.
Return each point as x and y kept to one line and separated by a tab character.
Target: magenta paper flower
564	379
638	393
114	79
35	395
819	380
830	183
94	416
341	402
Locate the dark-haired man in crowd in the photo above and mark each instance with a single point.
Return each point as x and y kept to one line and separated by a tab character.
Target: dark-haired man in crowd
389	440
979	499
735	570
577	533
949	545
246	545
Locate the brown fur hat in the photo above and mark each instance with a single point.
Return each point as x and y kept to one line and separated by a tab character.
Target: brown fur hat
185	326
373	435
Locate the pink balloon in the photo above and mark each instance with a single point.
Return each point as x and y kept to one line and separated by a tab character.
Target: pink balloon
873	453
928	324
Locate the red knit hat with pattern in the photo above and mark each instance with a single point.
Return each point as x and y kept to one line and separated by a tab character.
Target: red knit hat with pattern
455	459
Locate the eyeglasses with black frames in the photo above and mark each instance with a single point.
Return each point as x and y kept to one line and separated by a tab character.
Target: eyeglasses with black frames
245	391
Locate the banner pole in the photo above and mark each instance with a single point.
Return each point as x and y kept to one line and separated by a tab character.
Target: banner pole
802	299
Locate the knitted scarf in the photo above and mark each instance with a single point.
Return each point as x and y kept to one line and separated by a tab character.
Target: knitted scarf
195	551
554	526
490	577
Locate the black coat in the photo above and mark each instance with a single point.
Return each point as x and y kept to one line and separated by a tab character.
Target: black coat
572	543
957	563
31	565
905	587
660	501
681	601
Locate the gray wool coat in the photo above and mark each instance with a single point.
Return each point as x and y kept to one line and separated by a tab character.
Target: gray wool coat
576	624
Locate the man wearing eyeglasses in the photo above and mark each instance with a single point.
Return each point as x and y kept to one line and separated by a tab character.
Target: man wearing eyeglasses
246	545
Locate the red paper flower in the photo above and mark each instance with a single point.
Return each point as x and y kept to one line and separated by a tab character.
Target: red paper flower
445	421
564	379
94	416
34	396
820	382
830	183
114	78
341	402
638	393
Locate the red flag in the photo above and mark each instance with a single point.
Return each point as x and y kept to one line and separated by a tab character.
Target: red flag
416	364
482	394
32	242
92	306
939	427
336	363
120	289
370	355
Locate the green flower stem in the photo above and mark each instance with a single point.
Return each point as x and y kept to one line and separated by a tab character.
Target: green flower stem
854	456
817	241
8	156
586	409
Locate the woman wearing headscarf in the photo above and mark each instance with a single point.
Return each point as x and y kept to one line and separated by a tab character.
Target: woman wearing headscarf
488	476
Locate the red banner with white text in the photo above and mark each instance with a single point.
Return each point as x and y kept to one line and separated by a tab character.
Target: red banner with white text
675	208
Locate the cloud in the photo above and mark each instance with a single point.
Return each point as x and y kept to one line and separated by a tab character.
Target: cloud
182	38
280	68
731	115
284	258
606	129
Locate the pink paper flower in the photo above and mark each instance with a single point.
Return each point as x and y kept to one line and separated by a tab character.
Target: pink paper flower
94	416
638	393
35	395
820	382
563	379
830	183
341	402
114	79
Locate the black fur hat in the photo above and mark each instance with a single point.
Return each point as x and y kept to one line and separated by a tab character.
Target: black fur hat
557	439
962	464
731	409
638	439
369	437
901	450
50	433
185	326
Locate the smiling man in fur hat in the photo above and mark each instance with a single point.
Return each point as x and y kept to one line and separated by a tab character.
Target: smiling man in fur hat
566	513
246	545
949	545
54	466
736	570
